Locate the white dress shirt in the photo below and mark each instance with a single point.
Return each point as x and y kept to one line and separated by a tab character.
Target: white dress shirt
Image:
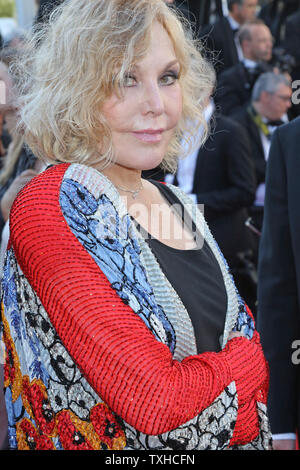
235	25
249	64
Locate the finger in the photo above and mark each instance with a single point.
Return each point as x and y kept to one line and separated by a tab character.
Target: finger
235	334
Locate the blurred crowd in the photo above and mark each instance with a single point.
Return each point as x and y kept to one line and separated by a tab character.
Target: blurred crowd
254	50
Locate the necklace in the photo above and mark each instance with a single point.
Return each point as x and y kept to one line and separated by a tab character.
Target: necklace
134	192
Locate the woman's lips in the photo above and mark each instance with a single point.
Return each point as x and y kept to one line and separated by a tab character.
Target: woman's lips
149	135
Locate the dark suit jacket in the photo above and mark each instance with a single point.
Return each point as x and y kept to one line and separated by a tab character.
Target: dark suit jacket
291	44
233	89
257	151
278	318
292	36
220	45
224	182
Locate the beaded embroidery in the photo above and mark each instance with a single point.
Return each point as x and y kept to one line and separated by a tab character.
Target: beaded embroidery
50	403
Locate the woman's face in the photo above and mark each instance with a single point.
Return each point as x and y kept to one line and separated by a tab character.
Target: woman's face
143	120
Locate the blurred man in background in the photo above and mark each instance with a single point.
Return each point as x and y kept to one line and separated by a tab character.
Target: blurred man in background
270	102
236	84
221	38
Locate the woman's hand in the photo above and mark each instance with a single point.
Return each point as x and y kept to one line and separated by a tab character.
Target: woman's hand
234	334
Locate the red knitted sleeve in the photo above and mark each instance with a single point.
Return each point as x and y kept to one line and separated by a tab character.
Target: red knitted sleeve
132	372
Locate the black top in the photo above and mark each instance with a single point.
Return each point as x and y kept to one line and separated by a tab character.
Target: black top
196	277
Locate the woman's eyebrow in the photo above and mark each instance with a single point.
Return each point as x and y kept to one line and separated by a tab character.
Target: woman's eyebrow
166	67
170	64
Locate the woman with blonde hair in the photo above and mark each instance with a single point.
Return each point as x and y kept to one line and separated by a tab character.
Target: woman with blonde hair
122	325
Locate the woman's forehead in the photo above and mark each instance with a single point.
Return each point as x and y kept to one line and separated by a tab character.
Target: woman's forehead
160	47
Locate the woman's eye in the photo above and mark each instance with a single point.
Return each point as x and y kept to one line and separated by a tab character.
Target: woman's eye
169	78
129	81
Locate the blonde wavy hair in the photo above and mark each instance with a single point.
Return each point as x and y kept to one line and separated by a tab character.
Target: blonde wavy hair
69	70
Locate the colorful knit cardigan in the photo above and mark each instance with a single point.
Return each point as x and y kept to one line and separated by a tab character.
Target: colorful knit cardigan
100	351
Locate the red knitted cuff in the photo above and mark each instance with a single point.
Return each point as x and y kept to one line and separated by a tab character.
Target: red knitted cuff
247	425
248	367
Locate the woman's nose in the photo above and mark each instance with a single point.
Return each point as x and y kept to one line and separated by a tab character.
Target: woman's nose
152	101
